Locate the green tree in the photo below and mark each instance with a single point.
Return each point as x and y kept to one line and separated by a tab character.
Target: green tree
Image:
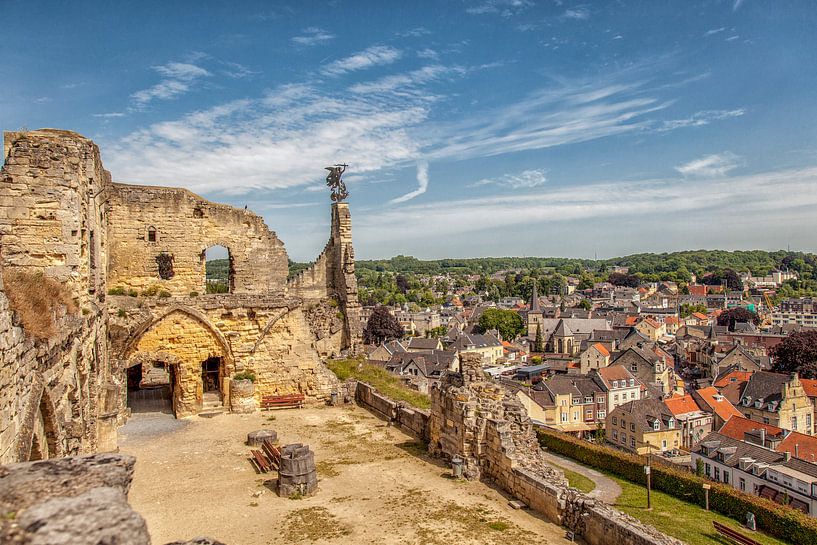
687	309
507	322
586	304
382	326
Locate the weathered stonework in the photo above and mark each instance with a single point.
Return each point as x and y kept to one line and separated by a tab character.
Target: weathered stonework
489	429
61	216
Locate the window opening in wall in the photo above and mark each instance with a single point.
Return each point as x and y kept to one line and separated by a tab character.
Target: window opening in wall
165	263
151	234
218	270
198	212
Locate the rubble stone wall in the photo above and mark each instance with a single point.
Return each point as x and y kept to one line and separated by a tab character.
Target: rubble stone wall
184	225
55	393
489	429
412	421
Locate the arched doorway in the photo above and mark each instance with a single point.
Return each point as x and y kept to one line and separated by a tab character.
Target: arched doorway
150	384
219	275
185	349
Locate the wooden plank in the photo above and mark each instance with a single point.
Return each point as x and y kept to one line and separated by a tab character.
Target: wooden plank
260	461
734	535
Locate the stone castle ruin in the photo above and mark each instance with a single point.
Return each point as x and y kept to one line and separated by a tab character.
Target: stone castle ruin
75	251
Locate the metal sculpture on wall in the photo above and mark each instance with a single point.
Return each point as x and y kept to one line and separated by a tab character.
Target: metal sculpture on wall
335	184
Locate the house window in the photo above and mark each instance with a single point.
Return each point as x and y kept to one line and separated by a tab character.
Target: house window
765	420
632	395
794	423
663	444
615	435
588	399
615	384
624	438
564	417
564	403
808	423
575	415
151	234
632	427
599	400
632	382
707	470
717	473
726	477
656	425
623	423
615	421
632	442
615	397
742	484
601	414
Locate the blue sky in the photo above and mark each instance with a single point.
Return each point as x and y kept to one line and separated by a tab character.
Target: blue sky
492	127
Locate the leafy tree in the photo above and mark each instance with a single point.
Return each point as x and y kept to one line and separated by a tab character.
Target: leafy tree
402	283
382	326
725	276
539	343
739	314
797	352
507	322
687	309
586	304
621	279
436	332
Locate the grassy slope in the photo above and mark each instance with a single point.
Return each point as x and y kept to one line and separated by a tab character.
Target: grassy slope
385	383
678	518
577	480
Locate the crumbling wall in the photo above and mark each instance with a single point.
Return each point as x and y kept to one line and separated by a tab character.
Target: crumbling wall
412	421
333	276
55	392
148	222
489	429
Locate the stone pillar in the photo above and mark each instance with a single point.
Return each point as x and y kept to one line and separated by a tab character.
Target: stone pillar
242	396
343	274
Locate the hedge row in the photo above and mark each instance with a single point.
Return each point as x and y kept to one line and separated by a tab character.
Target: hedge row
777	520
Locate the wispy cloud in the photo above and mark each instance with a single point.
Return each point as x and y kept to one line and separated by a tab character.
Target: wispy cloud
504	8
377	55
415	77
767	194
699	119
526	179
577	13
714	31
178	79
110	115
737	4
422	184
414	32
715	165
313	36
236	70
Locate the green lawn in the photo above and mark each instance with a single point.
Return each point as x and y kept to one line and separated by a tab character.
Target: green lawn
385	383
577	480
678	518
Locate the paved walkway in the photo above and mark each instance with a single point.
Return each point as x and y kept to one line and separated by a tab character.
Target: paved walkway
607	490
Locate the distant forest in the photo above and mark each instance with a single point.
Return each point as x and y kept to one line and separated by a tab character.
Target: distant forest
219	269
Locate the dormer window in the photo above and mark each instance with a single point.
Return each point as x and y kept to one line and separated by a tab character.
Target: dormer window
656	425
632	382
151	234
615	384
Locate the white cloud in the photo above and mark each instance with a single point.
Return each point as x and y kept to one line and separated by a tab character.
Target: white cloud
504	8
422	184
313	36
374	56
714	31
411	79
763	195
526	179
699	119
110	115
576	13
731	38
414	32
737	5
718	164
178	79
428	53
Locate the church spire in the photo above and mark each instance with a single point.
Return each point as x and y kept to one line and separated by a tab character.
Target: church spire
534	299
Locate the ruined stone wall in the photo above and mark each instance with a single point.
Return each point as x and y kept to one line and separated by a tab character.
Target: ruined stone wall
412	421
268	335
55	392
184	225
333	276
477	420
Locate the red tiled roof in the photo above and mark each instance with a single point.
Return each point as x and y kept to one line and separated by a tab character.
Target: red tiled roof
800	446
719	404
737	426
603	350
700	316
810	386
681	404
735	376
671	320
652	323
631	320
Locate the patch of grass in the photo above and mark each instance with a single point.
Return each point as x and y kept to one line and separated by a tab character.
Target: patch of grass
498	525
385	383
313	524
577	480
678	518
326	469
35	298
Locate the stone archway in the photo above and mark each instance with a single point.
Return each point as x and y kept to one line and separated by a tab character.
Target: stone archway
185	341
39	436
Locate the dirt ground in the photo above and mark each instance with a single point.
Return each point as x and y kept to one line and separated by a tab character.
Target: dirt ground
194	478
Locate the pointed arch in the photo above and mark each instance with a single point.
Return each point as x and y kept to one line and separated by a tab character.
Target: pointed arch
39	416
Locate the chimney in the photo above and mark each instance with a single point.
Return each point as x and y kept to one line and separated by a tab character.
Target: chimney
763	437
797	450
787	456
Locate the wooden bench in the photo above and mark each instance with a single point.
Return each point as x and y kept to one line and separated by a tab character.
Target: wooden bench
287	401
733	535
260	462
268	458
272	452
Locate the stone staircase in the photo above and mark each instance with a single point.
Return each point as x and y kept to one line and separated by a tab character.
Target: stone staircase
212	405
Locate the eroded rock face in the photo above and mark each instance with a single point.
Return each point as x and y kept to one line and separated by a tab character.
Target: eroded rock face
79	500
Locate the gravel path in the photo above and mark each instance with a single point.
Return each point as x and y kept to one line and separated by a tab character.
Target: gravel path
607	490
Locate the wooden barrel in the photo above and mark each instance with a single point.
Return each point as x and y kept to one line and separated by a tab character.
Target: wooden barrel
297	473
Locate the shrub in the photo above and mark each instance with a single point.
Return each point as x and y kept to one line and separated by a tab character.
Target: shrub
151	291
244	375
779	521
194	294
133	293
164	294
119	290
121	313
36	298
